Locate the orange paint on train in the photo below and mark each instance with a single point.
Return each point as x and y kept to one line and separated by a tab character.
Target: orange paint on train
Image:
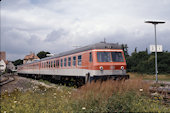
95	61
94	65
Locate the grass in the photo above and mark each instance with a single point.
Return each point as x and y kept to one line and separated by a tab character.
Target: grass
108	96
44	81
161	77
117	96
40	100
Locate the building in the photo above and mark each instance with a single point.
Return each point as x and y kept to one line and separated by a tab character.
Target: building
29	58
3	55
11	66
2	61
2	65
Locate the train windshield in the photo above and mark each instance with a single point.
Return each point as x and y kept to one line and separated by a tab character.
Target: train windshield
117	57
103	57
110	57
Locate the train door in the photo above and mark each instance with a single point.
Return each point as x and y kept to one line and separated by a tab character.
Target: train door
90	60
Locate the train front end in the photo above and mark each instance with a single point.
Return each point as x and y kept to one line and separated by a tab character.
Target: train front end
109	63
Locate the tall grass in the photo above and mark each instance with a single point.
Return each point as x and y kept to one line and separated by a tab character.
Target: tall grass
107	88
115	96
161	77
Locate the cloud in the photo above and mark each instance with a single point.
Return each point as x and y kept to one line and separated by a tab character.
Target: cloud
57	25
54	35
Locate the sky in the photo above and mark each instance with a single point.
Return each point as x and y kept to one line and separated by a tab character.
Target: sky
59	25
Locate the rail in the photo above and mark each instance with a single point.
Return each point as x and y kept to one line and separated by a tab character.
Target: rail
7	80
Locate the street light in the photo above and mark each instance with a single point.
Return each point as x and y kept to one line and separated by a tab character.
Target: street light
155	23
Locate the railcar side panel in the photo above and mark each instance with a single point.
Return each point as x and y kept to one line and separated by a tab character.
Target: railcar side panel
79	64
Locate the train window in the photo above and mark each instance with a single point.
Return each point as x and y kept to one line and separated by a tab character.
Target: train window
54	63
117	57
90	57
79	60
47	64
103	57
69	61
51	63
74	61
57	63
65	62
61	63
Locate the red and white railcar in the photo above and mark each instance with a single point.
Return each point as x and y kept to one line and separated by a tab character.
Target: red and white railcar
101	60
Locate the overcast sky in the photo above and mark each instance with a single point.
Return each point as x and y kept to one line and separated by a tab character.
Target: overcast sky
58	25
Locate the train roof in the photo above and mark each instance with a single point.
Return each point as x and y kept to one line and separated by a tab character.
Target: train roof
101	45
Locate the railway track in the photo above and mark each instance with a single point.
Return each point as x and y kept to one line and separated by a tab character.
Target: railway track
6	79
161	93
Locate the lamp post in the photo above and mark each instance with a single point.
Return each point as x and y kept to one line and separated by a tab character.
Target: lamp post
156	67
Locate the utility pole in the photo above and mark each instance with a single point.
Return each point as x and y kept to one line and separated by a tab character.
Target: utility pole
156	67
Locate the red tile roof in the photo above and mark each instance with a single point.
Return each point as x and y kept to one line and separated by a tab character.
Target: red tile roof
31	56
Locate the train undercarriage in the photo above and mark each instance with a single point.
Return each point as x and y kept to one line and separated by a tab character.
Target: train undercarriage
74	80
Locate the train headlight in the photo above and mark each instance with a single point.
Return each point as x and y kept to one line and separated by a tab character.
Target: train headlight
101	68
122	67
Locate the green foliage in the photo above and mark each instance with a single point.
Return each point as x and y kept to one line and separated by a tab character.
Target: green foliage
42	54
132	102
18	62
40	100
125	49
142	62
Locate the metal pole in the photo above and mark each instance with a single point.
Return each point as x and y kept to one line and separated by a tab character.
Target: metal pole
156	67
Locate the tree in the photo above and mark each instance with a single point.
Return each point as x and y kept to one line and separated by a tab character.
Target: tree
18	62
125	49
42	54
135	49
146	50
142	62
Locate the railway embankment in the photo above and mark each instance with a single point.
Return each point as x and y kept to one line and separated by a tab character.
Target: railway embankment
13	82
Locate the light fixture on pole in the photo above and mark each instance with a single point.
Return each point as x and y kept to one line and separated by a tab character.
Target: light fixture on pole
156	67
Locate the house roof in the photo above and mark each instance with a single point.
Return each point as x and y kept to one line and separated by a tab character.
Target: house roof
2	61
31	56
